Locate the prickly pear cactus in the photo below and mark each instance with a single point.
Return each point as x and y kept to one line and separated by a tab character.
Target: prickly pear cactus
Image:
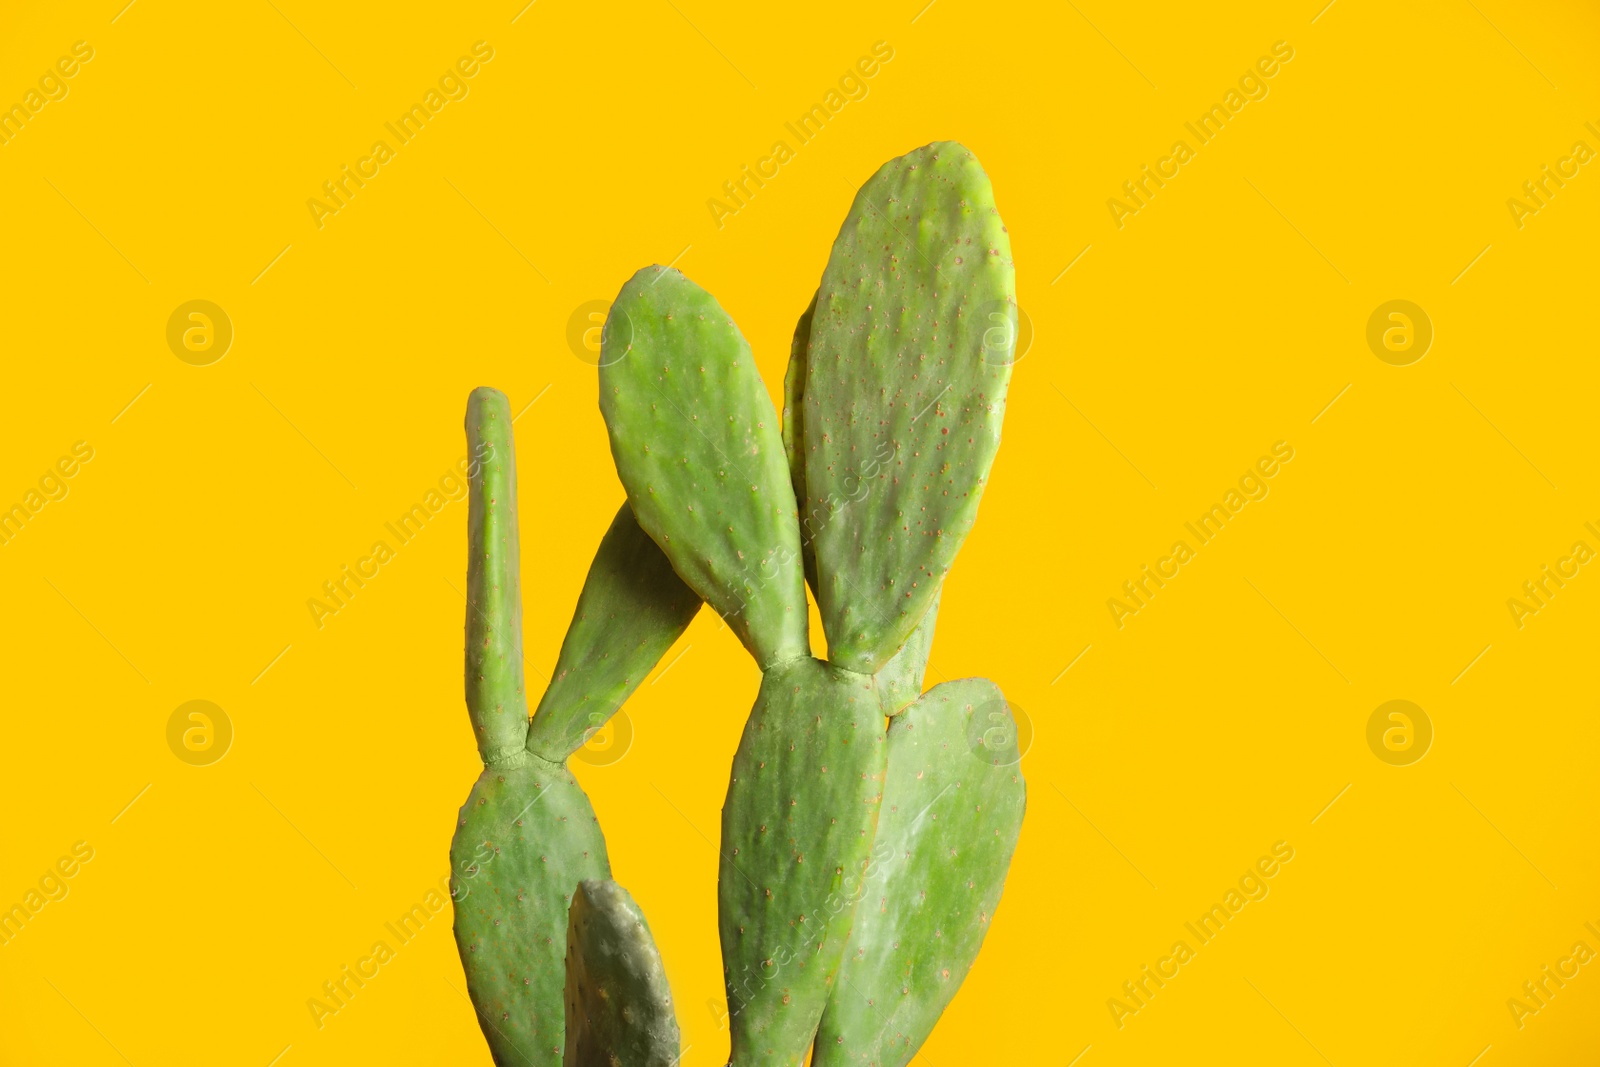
698	448
794	387
696	444
903	401
797	830
861	864
952	812
632	609
527	836
619	1006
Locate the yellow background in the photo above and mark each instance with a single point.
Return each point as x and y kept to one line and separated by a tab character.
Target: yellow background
1223	317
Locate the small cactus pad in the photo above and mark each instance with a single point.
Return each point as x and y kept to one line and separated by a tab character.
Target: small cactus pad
794	387
900	680
902	396
797	829
619	1006
953	805
632	608
495	697
696	443
525	839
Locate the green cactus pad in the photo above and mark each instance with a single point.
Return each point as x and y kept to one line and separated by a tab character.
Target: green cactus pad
525	839
953	806
900	680
797	830
495	697
901	395
619	1006
697	445
632	608
794	387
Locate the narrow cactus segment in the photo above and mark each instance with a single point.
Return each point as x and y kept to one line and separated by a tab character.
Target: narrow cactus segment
900	680
903	401
794	387
619	1006
797	830
495	698
953	806
696	443
525	838
632	608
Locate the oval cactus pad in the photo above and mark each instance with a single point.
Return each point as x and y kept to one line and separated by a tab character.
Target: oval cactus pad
797	829
697	446
951	815
619	1006
525	839
905	388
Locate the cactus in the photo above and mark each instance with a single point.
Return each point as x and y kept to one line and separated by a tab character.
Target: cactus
901	396
527	835
632	609
619	1007
861	866
902	401
952	812
697	446
794	387
797	829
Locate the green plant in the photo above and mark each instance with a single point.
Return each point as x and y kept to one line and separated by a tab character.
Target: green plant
527	836
861	866
619	1008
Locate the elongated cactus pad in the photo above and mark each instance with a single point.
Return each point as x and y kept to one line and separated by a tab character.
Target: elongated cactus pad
526	837
632	608
797	829
953	806
901	394
495	698
697	445
619	1006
